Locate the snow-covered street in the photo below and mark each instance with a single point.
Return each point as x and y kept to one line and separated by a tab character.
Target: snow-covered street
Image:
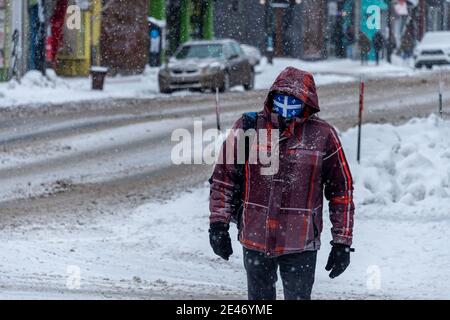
35	89
134	134
161	250
88	189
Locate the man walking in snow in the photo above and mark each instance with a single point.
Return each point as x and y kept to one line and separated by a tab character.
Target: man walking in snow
281	214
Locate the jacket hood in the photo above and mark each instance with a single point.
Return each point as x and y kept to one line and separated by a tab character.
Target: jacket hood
297	83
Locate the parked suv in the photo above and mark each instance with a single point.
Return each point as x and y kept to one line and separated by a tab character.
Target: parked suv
207	65
434	49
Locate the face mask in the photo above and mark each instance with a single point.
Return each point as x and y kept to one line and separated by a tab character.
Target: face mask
287	106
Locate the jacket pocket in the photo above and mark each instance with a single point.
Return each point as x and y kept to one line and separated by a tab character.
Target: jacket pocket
293	228
253	231
302	176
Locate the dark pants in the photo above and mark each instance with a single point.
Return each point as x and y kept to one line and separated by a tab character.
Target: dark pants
377	56
297	273
364	58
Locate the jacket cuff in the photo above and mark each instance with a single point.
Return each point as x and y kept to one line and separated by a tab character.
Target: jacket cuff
219	226
214	219
342	240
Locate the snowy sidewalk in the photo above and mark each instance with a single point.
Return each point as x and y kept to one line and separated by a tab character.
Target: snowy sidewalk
402	193
35	90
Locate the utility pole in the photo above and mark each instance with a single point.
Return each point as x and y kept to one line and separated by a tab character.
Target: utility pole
421	19
357	22
389	45
42	60
270	31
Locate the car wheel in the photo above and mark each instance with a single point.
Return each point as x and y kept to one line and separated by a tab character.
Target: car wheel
251	84
225	83
429	66
418	66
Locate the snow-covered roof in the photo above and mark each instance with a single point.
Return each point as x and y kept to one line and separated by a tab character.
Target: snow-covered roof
157	22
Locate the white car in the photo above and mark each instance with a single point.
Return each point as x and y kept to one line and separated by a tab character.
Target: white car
434	49
253	54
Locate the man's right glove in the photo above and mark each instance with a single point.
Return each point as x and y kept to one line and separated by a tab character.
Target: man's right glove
220	240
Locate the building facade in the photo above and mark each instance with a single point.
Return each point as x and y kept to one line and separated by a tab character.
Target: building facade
124	39
189	19
290	28
13	42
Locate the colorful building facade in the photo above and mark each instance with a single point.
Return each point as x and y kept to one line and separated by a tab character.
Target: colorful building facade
77	48
12	39
189	19
290	28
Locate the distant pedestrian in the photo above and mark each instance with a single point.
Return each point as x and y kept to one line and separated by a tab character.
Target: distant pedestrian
350	39
378	45
364	47
391	45
339	39
407	46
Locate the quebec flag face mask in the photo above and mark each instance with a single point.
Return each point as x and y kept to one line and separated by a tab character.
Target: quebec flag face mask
287	106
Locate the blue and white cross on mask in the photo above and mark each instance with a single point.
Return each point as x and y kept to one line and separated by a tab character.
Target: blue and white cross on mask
287	106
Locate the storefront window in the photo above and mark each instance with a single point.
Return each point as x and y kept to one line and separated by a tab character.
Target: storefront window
2	32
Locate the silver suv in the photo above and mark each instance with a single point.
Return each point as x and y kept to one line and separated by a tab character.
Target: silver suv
207	65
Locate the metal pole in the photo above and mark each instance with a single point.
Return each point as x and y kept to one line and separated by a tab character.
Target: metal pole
440	93
357	17
361	108
389	38
218	109
269	25
43	37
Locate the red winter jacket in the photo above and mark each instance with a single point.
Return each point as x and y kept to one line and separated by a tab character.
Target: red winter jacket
283	212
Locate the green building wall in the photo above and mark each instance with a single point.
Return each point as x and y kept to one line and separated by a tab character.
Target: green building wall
208	21
7	45
157	9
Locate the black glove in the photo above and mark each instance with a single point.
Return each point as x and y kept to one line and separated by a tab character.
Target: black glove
220	240
339	259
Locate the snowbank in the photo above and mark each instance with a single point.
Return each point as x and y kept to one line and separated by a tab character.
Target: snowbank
406	169
35	89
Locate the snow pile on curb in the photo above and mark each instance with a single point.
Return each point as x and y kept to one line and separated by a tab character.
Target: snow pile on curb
35	79
35	89
405	168
404	176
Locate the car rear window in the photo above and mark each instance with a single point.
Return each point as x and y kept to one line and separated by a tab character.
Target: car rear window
200	51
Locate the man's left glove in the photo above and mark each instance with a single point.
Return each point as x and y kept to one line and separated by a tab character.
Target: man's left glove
339	259
220	240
